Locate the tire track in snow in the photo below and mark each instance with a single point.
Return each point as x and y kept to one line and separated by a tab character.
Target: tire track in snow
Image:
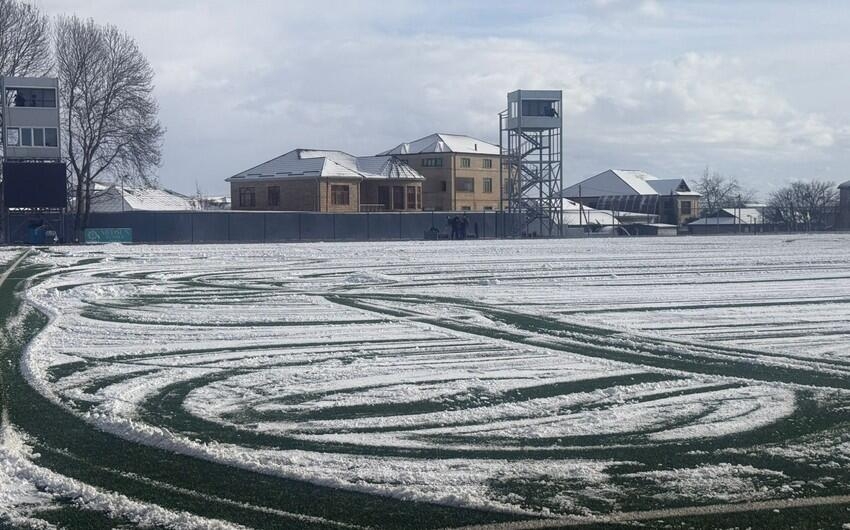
666	513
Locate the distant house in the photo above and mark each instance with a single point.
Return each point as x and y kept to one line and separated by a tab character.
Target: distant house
117	198
461	172
310	180
729	220
635	194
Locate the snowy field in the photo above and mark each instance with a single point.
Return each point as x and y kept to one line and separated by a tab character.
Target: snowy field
427	385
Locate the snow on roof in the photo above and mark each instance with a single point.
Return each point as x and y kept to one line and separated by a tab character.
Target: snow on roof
575	215
637	180
627	182
115	199
844	185
154	199
444	143
671	187
715	221
301	163
745	214
726	216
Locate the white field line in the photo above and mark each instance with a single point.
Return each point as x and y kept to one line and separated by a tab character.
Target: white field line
649	515
13	266
4	414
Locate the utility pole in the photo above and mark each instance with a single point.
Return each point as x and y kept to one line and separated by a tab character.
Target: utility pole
580	209
4	219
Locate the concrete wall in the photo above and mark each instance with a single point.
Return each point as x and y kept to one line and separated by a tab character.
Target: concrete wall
246	227
298	195
295	195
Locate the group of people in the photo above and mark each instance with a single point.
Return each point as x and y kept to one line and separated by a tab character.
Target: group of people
459	225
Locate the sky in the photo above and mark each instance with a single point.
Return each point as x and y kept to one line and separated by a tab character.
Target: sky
755	89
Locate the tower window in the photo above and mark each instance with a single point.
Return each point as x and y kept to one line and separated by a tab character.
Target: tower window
31	97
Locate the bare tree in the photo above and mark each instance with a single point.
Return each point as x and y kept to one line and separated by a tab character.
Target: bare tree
24	40
805	205
719	191
109	112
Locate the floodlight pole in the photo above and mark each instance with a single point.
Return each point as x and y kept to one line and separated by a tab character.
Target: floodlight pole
4	215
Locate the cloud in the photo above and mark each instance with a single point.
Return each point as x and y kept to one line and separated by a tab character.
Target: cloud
242	82
651	8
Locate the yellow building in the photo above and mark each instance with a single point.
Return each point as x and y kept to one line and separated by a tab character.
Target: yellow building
461	172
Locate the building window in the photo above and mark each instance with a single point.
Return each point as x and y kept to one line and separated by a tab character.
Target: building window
384	196
340	194
247	197
465	185
418	197
274	195
466	208
443	186
411	197
51	137
398	197
432	162
34	137
488	208
465	162
488	185
13	137
685	207
487	163
31	97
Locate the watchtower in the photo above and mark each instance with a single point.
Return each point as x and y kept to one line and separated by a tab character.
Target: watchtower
531	169
34	179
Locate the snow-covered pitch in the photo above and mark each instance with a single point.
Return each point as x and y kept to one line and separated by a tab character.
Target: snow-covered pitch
496	380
